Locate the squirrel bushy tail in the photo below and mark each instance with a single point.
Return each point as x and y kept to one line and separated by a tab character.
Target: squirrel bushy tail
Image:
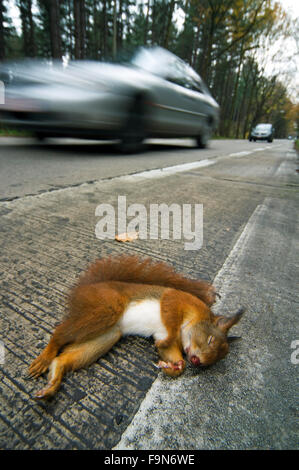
130	268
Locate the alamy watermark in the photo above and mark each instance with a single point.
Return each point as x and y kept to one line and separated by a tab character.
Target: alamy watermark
295	354
179	222
2	91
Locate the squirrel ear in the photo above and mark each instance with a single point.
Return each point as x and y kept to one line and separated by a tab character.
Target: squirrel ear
225	323
232	339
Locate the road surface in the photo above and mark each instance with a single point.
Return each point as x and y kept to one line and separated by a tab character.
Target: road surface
249	193
27	167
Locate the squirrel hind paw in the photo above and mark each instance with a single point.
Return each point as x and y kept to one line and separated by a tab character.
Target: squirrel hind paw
48	391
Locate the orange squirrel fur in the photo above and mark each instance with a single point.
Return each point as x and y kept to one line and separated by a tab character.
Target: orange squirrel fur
129	295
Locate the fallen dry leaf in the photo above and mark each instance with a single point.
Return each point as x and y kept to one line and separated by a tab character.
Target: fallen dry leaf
127	237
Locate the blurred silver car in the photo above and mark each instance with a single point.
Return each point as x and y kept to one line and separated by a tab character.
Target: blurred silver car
155	94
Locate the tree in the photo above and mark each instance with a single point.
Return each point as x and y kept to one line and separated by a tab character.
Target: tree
2	38
54	16
80	28
29	46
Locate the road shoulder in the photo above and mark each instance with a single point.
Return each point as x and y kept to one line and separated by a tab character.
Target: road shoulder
255	405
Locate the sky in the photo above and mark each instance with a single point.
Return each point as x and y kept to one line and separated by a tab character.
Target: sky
284	54
282	57
291	6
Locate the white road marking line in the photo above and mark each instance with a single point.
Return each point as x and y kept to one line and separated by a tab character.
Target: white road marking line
169	170
240	154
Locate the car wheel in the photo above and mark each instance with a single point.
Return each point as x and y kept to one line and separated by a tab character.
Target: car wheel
133	133
40	136
202	141
203	138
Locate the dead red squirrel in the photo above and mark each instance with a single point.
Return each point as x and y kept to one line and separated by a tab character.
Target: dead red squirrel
126	295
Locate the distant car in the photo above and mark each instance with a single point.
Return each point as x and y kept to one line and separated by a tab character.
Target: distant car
262	132
155	94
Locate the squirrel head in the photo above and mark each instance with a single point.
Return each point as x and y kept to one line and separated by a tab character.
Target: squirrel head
206	342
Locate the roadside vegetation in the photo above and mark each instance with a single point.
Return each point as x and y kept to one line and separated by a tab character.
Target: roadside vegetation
13	133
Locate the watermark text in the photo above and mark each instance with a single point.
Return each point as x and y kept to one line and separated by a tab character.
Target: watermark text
2	91
160	221
295	354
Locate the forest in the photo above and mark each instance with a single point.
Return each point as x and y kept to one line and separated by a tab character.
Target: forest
224	41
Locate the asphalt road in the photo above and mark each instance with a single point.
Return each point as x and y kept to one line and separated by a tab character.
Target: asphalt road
249	194
28	167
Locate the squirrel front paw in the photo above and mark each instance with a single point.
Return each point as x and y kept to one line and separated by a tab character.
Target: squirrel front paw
173	369
211	295
39	366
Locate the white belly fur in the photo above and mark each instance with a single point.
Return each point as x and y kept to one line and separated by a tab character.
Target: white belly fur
143	318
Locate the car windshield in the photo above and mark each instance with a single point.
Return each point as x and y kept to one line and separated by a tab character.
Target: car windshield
263	127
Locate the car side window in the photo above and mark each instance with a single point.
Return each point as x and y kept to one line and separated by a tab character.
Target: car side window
197	86
177	73
180	74
178	81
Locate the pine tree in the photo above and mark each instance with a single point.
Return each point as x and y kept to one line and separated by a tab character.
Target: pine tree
2	36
